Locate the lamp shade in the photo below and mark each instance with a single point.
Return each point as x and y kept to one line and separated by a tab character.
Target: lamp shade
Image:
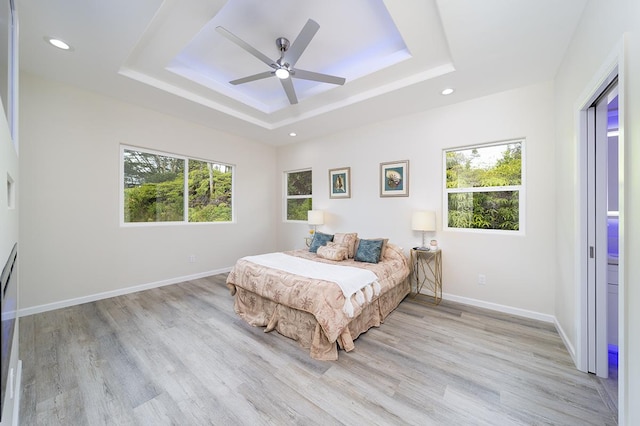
315	217
423	221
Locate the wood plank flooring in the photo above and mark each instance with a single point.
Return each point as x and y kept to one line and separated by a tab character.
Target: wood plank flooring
179	355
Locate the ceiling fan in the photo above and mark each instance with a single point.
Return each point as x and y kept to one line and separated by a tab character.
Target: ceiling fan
283	67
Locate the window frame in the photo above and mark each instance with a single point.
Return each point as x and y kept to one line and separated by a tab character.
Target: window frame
521	189
185	188
287	197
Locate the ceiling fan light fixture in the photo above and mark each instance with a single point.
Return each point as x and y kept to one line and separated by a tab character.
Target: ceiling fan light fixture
282	73
284	68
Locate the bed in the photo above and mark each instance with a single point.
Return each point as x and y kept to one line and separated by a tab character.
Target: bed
311	308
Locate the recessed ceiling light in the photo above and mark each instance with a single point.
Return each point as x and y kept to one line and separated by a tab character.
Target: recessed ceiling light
447	91
58	43
292	134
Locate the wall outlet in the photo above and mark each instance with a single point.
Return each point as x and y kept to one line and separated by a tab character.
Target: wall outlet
192	258
482	279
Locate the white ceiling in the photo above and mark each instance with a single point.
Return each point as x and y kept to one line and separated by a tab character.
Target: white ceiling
396	55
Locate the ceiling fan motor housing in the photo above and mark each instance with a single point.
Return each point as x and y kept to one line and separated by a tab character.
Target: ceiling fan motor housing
282	43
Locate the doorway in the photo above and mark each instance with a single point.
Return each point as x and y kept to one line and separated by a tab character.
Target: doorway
601	219
592	254
613	246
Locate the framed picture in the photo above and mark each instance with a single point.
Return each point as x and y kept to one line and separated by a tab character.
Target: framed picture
340	183
394	179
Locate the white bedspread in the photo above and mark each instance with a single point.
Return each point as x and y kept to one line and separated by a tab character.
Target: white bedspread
352	281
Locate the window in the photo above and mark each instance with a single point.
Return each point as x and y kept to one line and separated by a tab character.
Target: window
161	187
484	186
298	199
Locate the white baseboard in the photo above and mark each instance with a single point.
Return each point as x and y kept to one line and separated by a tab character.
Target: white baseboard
567	342
119	292
519	312
500	308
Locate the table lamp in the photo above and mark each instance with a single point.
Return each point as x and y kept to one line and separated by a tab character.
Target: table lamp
423	221
315	218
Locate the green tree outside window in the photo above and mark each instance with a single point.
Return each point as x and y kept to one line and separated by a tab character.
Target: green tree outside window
484	186
154	189
299	194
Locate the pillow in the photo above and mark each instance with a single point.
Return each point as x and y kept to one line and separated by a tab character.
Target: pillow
336	244
319	239
384	245
369	251
348	239
393	252
333	251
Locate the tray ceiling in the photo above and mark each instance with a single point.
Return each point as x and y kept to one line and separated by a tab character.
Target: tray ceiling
396	56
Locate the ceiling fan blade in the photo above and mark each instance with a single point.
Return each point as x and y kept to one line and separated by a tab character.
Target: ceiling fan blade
254	77
287	85
316	76
301	42
246	46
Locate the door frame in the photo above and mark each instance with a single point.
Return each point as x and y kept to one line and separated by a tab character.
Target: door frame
612	67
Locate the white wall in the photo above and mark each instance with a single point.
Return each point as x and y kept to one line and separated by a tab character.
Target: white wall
8	235
597	38
520	270
8	167
72	245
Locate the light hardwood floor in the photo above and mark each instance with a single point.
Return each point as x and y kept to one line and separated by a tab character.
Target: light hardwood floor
178	355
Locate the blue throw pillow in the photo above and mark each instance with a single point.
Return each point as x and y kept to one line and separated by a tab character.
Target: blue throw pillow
369	251
319	239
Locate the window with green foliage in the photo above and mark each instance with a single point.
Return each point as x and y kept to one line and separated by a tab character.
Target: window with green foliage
298	199
161	187
484	186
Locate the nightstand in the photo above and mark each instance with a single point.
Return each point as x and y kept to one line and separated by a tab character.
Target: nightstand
426	272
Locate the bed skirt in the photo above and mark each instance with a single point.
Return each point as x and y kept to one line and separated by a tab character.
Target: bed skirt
303	327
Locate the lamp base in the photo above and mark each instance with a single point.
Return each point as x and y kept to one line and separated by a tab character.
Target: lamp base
424	245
